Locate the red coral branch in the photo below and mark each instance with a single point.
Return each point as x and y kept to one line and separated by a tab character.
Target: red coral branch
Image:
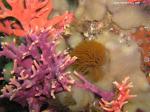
11	28
31	15
123	97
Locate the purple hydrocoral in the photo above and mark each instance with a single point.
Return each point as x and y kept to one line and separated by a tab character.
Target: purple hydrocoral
85	84
39	71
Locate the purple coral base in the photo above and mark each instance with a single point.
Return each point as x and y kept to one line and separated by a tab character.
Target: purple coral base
106	95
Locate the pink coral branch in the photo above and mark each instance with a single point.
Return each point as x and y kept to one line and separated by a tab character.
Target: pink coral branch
123	97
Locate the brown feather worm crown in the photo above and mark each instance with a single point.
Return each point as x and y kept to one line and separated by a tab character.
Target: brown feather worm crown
91	55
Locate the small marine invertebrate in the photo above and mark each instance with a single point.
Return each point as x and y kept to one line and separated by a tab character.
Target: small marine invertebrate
38	71
29	16
123	97
142	37
91	55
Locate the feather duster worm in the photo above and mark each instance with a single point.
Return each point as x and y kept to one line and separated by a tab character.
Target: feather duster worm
39	71
91	56
123	97
29	16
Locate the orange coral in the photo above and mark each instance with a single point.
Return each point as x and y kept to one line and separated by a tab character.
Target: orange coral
123	97
91	55
6	26
31	15
142	37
